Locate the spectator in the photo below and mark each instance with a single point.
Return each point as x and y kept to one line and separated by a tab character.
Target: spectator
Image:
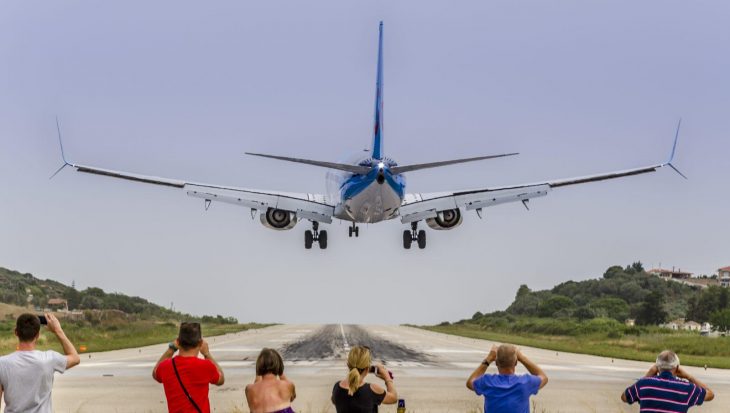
506	392
26	376
272	392
353	394
666	387
185	377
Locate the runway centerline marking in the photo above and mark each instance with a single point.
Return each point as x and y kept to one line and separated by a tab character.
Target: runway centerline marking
344	339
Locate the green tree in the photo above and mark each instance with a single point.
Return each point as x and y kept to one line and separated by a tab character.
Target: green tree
522	291
554	304
721	319
613	271
584	313
652	310
637	266
612	307
723	299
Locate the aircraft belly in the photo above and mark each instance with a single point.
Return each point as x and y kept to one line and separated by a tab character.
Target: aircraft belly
375	203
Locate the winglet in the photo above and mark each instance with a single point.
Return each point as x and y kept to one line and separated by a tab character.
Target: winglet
63	153
674	150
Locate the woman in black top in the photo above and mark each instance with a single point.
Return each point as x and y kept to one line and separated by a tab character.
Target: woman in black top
353	394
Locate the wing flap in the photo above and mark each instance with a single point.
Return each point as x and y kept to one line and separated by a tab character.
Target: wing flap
422	206
304	208
308	206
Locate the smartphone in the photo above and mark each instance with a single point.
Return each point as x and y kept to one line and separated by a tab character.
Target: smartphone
43	319
374	370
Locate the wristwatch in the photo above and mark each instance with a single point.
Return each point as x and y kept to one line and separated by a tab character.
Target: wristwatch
172	346
485	362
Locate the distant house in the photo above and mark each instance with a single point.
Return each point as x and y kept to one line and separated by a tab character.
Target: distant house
681	324
692	326
630	322
670	274
723	274
674	324
685	278
58	304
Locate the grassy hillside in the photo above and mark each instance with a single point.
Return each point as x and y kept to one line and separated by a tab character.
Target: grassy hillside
104	321
589	317
114	335
14	288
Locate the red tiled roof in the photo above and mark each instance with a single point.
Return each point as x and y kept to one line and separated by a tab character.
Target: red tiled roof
724	269
672	272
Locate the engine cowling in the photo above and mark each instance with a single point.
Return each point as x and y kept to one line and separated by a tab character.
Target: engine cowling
447	219
278	219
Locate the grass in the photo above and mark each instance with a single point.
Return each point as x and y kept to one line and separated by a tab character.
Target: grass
114	335
693	349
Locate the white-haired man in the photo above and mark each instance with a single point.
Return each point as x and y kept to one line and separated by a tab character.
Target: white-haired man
666	387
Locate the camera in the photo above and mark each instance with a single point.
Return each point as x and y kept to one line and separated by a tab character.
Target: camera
43	319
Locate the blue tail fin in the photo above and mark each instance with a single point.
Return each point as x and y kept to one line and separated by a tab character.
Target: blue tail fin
377	152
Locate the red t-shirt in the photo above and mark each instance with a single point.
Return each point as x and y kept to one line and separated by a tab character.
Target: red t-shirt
196	374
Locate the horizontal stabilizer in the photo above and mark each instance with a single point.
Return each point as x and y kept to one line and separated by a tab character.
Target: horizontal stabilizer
415	167
355	169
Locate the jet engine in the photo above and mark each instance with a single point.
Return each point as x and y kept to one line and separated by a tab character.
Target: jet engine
279	219
448	219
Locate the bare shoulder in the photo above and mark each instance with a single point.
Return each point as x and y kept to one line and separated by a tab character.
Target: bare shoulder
376	388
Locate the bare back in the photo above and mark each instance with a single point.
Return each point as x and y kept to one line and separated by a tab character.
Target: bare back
269	394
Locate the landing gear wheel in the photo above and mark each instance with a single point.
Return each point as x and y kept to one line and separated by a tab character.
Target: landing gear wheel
407	239
322	240
308	239
354	229
421	239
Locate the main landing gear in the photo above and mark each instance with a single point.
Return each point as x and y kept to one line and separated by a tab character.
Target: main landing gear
414	235
354	229
315	235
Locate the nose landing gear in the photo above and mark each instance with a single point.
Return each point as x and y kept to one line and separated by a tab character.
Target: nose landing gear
414	235
315	235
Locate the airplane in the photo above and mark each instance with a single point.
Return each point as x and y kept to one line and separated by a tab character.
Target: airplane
370	190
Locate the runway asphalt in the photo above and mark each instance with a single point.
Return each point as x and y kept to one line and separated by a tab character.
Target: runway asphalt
430	371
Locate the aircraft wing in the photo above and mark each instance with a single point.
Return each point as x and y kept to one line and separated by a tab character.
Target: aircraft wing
308	206
416	207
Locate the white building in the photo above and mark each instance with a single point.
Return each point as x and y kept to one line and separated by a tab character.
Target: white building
723	274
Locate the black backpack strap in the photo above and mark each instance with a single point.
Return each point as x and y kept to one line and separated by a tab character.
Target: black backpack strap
174	367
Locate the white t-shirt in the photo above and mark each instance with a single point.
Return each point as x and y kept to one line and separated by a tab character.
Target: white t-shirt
27	380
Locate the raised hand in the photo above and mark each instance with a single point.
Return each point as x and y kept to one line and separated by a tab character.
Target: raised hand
204	349
492	354
54	325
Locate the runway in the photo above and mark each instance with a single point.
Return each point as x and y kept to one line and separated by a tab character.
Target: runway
430	370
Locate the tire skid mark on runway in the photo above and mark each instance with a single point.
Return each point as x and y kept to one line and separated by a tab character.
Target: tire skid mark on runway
334	342
324	343
383	350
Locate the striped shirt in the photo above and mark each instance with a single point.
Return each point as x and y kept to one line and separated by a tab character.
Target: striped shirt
665	394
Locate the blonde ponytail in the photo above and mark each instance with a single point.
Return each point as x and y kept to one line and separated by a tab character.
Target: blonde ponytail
353	381
358	361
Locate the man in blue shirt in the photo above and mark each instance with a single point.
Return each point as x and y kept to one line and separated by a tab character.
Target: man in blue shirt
506	392
666	387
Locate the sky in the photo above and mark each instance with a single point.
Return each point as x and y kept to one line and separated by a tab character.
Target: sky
182	89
